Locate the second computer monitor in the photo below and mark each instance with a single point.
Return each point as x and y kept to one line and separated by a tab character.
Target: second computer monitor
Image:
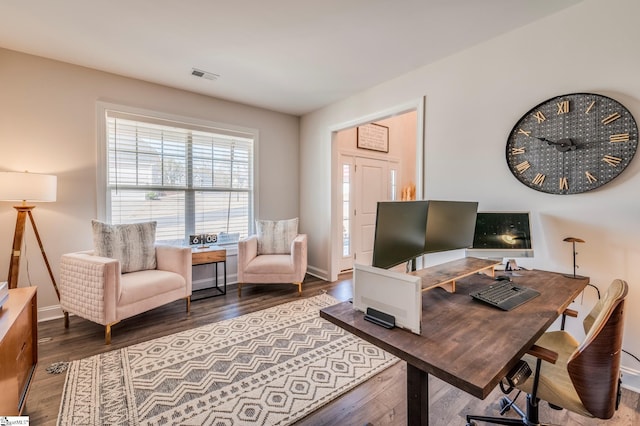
502	235
406	230
450	225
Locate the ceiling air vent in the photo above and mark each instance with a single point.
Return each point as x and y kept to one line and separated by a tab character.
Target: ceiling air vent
204	74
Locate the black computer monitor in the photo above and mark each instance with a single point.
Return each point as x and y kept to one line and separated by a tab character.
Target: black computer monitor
450	225
406	230
399	233
500	235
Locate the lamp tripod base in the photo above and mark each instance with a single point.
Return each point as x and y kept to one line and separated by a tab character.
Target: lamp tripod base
16	253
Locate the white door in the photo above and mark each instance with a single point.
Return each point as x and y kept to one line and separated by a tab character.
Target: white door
373	182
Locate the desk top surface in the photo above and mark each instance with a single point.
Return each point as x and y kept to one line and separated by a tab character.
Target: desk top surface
465	342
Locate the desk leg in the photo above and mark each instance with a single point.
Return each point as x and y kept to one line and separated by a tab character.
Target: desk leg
417	396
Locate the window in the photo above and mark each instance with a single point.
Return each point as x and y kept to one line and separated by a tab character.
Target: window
190	178
346	209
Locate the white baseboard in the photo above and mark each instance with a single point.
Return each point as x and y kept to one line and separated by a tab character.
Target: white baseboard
50	313
318	273
630	379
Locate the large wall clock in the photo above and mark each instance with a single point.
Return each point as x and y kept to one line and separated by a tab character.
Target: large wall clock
572	143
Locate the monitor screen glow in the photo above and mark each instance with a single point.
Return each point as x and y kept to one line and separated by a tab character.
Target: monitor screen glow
502	235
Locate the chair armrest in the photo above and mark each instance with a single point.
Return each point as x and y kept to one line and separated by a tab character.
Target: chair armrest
570	313
175	259
90	286
299	255
247	251
543	354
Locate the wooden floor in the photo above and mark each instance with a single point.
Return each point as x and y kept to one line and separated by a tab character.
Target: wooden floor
379	401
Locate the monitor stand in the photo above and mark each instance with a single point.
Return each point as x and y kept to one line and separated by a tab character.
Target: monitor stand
412	265
511	265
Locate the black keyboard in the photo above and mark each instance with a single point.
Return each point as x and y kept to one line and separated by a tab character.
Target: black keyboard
505	295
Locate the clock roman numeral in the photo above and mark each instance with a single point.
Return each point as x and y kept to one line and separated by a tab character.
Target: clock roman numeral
522	167
524	132
589	107
611	118
539	116
591	178
516	151
563	107
539	179
611	160
563	183
620	137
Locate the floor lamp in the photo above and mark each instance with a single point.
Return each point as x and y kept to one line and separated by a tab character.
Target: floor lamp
28	188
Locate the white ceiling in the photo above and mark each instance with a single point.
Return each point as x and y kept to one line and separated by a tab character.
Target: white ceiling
292	56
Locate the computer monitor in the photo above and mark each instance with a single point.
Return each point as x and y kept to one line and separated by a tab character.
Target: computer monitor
450	225
406	230
400	232
502	235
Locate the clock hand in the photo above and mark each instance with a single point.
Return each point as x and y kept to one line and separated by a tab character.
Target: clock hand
563	145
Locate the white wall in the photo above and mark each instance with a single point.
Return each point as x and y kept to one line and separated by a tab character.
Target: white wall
473	99
48	125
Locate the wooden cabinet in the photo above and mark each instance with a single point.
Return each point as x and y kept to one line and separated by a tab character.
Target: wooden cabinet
18	349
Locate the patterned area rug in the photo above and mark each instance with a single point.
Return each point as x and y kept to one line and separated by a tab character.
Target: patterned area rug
270	367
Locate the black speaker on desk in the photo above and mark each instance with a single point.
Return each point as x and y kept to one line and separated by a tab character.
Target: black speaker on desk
380	318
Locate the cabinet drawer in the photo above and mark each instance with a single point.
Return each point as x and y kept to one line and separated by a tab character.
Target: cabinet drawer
24	363
208	257
24	360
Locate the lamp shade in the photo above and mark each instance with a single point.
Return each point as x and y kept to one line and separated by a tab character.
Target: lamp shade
17	186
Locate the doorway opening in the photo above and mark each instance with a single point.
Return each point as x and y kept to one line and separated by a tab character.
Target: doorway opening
362	177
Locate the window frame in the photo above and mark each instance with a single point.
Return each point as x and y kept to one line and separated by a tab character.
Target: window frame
103	108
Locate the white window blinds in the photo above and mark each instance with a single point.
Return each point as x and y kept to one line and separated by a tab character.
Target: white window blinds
188	178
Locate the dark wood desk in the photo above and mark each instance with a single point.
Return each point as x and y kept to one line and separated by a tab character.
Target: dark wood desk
464	342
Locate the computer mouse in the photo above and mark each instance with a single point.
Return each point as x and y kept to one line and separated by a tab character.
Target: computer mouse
503	278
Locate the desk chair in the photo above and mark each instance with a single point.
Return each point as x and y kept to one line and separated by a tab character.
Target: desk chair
581	377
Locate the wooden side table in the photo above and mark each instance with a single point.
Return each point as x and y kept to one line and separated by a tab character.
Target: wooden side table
215	255
18	348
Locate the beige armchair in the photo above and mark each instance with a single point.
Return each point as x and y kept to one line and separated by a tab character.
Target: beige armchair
272	268
94	288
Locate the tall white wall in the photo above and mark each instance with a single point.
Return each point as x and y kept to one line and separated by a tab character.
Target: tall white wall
473	99
48	125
